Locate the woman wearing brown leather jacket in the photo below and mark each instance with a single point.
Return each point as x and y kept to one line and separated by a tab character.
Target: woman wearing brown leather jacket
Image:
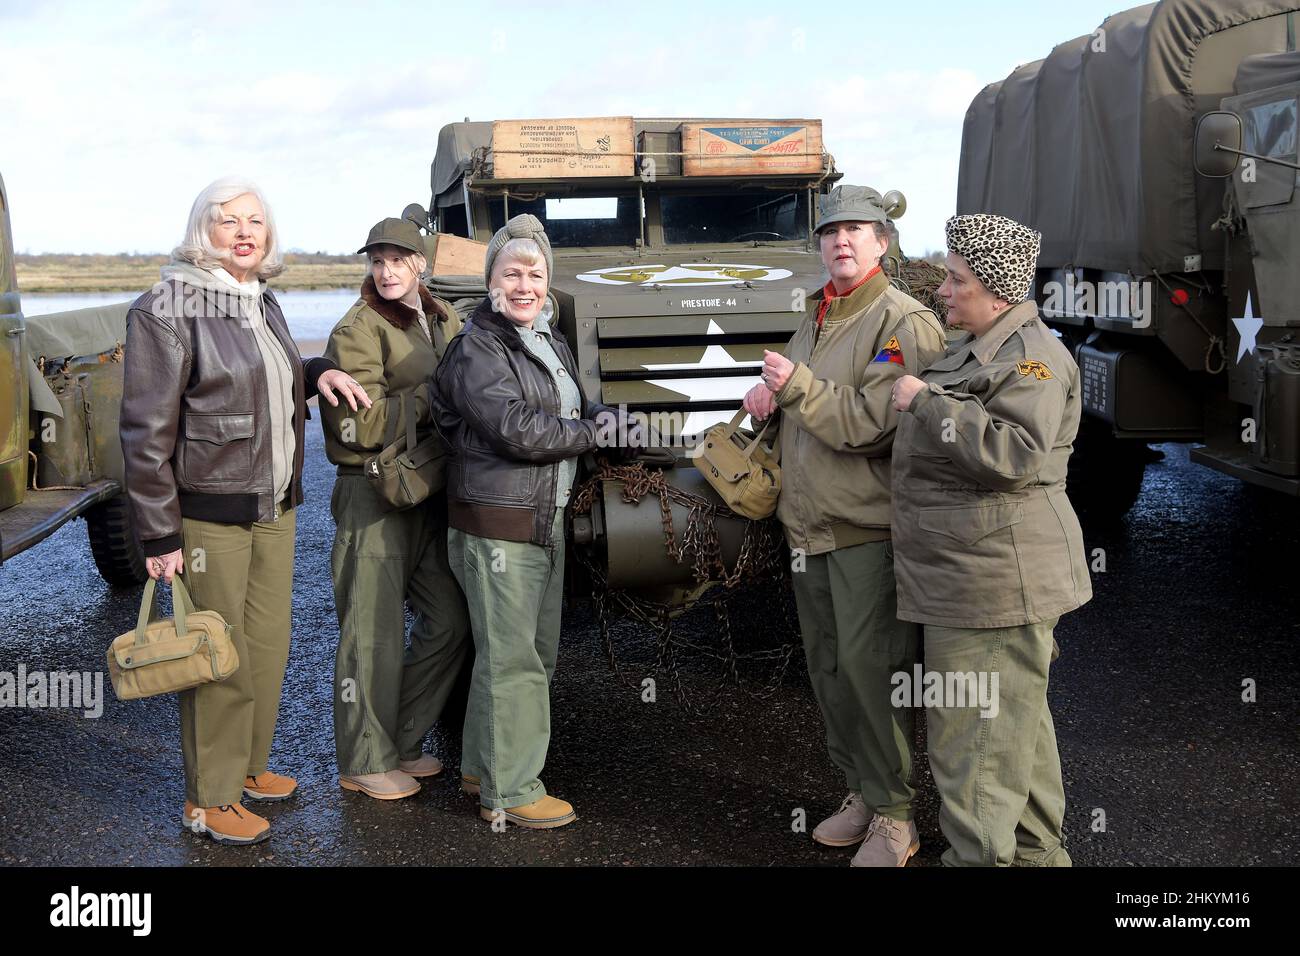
213	403
509	404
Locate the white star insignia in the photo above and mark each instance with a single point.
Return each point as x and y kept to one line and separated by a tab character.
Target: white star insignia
1247	328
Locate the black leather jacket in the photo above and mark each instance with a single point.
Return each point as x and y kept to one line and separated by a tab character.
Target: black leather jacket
195	420
498	409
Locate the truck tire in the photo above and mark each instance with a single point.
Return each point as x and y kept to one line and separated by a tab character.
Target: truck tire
1105	473
114	543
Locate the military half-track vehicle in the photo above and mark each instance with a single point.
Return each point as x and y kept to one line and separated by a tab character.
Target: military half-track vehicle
683	248
1157	276
60	456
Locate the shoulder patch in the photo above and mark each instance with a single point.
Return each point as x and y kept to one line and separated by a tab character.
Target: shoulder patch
1036	369
892	352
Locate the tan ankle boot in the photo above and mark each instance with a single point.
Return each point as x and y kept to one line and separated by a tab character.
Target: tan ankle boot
233	825
425	765
269	787
390	785
543	814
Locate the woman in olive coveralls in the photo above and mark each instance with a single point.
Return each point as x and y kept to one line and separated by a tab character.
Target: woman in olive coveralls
387	695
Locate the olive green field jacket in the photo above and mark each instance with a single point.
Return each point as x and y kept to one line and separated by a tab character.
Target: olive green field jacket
381	344
984	535
837	421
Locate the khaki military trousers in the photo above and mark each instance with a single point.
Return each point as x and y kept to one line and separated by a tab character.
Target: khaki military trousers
245	573
388	694
514	591
855	643
999	777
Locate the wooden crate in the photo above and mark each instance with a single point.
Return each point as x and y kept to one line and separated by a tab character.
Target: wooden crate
553	148
752	148
450	255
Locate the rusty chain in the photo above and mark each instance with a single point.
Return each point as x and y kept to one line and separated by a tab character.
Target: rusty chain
760	563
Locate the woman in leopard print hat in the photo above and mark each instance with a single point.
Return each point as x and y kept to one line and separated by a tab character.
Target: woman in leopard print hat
1002	253
987	550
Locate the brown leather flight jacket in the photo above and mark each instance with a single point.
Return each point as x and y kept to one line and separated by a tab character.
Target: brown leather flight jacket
195	417
498	409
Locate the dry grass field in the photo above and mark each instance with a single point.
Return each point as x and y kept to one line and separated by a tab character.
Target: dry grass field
128	273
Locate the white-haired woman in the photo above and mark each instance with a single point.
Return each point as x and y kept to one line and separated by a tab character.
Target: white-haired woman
507	399
213	405
386	695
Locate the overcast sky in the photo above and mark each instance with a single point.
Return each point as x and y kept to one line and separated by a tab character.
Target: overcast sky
114	115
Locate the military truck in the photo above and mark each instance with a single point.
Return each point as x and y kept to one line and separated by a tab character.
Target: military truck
1156	276
683	248
60	457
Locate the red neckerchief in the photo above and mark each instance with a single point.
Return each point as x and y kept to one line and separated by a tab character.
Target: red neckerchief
828	294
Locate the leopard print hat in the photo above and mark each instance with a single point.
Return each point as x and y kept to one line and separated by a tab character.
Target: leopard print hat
1001	252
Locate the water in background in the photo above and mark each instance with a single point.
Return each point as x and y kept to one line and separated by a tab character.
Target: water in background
310	314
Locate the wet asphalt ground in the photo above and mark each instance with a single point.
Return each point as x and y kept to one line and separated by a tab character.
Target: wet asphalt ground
1164	762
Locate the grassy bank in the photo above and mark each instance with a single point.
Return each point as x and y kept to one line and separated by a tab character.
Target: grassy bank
126	273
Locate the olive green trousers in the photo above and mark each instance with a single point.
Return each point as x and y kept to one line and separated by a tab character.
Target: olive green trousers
514	591
388	694
999	777
245	573
855	643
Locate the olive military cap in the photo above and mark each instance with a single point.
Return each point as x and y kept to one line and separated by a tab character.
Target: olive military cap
395	232
851	204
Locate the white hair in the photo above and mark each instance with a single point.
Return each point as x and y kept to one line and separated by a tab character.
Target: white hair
197	246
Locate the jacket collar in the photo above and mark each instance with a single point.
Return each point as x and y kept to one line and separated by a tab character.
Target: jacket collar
853	301
987	345
221	297
399	314
489	320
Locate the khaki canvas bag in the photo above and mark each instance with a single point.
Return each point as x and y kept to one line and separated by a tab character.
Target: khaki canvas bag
405	472
746	474
162	657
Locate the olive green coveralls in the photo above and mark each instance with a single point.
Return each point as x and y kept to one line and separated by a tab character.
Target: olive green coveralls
387	695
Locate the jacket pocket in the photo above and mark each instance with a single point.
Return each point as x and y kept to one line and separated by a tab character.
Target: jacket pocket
490	479
218	448
970	524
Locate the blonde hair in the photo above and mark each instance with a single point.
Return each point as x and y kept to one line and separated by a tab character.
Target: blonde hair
522	250
197	247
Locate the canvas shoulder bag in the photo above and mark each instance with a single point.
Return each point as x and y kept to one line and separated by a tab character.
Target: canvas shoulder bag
172	654
745	474
406	472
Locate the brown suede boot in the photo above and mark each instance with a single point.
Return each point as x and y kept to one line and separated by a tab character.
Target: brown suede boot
471	785
232	825
269	787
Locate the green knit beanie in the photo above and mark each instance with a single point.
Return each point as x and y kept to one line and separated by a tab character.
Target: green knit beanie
523	226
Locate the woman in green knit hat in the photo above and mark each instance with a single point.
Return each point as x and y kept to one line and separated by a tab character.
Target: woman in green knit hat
510	406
